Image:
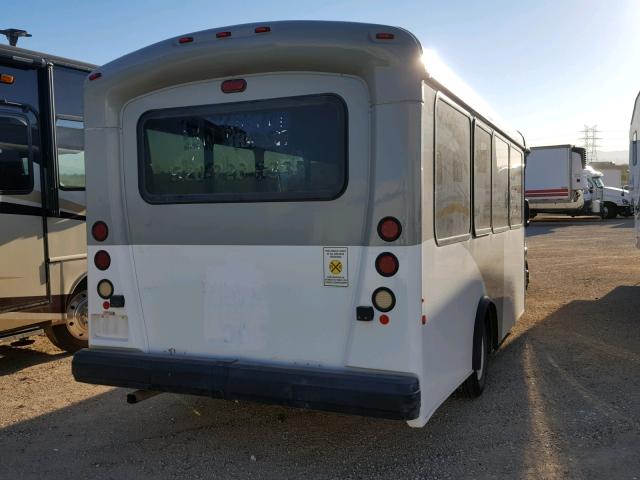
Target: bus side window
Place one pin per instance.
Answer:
(515, 187)
(68, 88)
(452, 202)
(15, 162)
(500, 201)
(482, 181)
(634, 149)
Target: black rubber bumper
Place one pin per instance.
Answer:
(375, 395)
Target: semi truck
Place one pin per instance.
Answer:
(559, 181)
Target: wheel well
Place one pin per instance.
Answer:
(80, 285)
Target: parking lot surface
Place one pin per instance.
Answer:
(562, 400)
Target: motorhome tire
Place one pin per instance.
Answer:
(74, 333)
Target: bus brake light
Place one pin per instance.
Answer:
(262, 29)
(387, 264)
(100, 231)
(235, 85)
(389, 229)
(102, 260)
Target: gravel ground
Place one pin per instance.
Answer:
(562, 401)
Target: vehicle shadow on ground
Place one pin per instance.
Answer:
(14, 359)
(553, 408)
(547, 225)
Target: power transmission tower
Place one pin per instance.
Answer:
(590, 140)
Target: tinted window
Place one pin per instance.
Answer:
(68, 90)
(70, 141)
(634, 149)
(482, 180)
(452, 172)
(500, 204)
(515, 187)
(15, 162)
(269, 150)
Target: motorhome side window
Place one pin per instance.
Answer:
(515, 187)
(452, 173)
(269, 150)
(482, 180)
(15, 161)
(500, 204)
(634, 148)
(68, 89)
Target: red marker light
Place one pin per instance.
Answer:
(384, 319)
(424, 319)
(102, 260)
(95, 76)
(185, 40)
(105, 305)
(223, 34)
(234, 86)
(100, 231)
(262, 29)
(385, 36)
(389, 229)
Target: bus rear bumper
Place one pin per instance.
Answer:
(389, 396)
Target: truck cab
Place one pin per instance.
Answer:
(615, 201)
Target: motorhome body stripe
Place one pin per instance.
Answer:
(36, 211)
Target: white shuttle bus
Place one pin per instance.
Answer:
(43, 250)
(298, 213)
(634, 166)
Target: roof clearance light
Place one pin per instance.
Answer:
(7, 79)
(389, 229)
(387, 264)
(95, 76)
(182, 40)
(102, 260)
(100, 231)
(223, 34)
(234, 86)
(385, 36)
(262, 29)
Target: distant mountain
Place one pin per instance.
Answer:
(619, 156)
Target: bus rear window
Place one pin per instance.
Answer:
(270, 150)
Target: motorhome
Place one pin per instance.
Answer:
(298, 213)
(42, 198)
(634, 166)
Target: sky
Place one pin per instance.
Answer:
(548, 67)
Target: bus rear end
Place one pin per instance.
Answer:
(252, 223)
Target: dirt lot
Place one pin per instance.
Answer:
(563, 399)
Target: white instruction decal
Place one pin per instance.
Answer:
(336, 266)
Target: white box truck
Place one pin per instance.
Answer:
(555, 182)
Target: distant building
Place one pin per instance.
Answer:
(614, 175)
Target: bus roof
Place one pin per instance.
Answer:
(22, 55)
(388, 58)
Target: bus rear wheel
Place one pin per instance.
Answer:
(74, 333)
(473, 386)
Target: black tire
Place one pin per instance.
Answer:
(61, 335)
(610, 210)
(473, 386)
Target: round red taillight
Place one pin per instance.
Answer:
(102, 260)
(389, 229)
(387, 264)
(100, 231)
